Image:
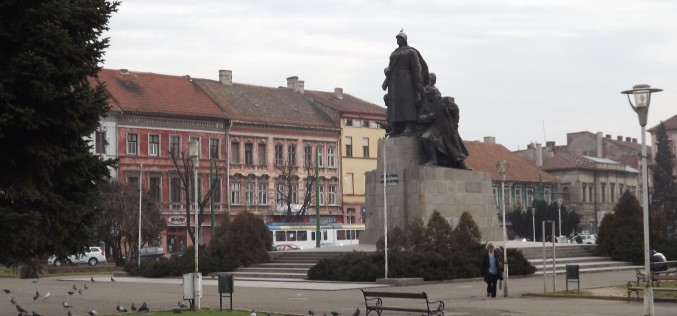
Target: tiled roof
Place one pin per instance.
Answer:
(264, 104)
(484, 156)
(156, 94)
(670, 123)
(572, 161)
(632, 145)
(348, 104)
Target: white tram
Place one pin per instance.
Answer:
(303, 234)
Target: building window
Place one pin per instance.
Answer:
(249, 154)
(612, 190)
(495, 190)
(620, 189)
(132, 144)
(154, 188)
(349, 122)
(365, 147)
(133, 180)
(153, 145)
(295, 193)
(100, 142)
(216, 191)
(174, 145)
(518, 195)
(262, 154)
(320, 160)
(263, 193)
(321, 189)
(331, 157)
(214, 148)
(279, 194)
(278, 154)
(307, 155)
(547, 194)
(332, 194)
(199, 146)
(349, 146)
(235, 193)
(603, 192)
(530, 195)
(175, 190)
(291, 155)
(591, 192)
(235, 152)
(249, 193)
(583, 192)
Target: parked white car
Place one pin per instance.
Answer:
(588, 239)
(92, 256)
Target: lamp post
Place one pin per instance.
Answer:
(194, 151)
(502, 167)
(642, 94)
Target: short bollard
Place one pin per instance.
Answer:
(226, 286)
(573, 276)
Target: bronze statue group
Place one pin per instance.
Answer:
(415, 107)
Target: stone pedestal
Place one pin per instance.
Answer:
(417, 191)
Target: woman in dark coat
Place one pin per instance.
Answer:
(492, 269)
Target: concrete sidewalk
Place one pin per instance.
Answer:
(461, 297)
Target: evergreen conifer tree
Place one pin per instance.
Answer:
(49, 51)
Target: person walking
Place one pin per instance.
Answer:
(492, 269)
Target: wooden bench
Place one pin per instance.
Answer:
(657, 276)
(373, 301)
(634, 286)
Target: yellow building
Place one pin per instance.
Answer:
(361, 128)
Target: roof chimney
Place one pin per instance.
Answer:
(634, 140)
(628, 139)
(550, 144)
(608, 136)
(600, 145)
(489, 140)
(539, 155)
(619, 137)
(294, 84)
(338, 93)
(226, 77)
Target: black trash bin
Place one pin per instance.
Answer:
(226, 286)
(573, 275)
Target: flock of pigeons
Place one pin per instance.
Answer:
(68, 307)
(119, 308)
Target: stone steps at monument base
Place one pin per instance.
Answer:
(561, 251)
(585, 264)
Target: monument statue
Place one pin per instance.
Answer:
(406, 77)
(415, 106)
(439, 138)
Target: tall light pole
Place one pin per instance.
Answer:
(642, 94)
(559, 214)
(194, 152)
(385, 207)
(502, 167)
(138, 254)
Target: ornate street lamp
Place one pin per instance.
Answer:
(194, 152)
(502, 167)
(642, 94)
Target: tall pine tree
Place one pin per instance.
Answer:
(48, 50)
(664, 193)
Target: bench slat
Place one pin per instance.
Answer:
(404, 309)
(396, 295)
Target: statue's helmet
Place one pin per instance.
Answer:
(402, 35)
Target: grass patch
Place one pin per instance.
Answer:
(657, 293)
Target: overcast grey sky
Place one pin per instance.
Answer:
(521, 70)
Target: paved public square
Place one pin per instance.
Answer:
(462, 297)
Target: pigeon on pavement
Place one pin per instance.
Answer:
(37, 294)
(13, 301)
(357, 312)
(92, 313)
(252, 313)
(335, 313)
(71, 292)
(66, 305)
(20, 309)
(86, 287)
(311, 313)
(182, 305)
(69, 313)
(92, 279)
(121, 309)
(7, 291)
(111, 279)
(133, 308)
(144, 308)
(47, 295)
